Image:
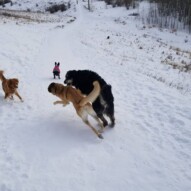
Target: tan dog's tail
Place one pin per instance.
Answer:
(91, 97)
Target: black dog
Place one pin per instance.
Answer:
(83, 80)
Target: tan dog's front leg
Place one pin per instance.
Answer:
(61, 102)
(57, 102)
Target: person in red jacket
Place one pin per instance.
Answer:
(56, 70)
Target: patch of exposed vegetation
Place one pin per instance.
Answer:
(184, 65)
(29, 16)
(3, 2)
(55, 8)
(170, 84)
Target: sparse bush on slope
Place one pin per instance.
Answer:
(3, 2)
(172, 14)
(54, 8)
(126, 3)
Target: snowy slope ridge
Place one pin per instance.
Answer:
(47, 147)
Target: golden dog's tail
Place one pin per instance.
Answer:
(91, 97)
(2, 77)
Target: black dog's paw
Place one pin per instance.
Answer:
(112, 125)
(105, 123)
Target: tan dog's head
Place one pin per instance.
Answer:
(56, 88)
(52, 88)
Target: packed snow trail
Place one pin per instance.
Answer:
(47, 147)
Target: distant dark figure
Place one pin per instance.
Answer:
(108, 37)
(56, 70)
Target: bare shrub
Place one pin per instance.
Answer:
(119, 3)
(3, 2)
(171, 14)
(54, 8)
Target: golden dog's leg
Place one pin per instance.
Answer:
(6, 96)
(17, 94)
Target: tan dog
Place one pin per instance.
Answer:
(81, 104)
(9, 86)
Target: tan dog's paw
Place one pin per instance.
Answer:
(100, 131)
(100, 136)
(56, 102)
(65, 104)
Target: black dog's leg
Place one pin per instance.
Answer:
(99, 109)
(110, 113)
(105, 123)
(112, 119)
(108, 98)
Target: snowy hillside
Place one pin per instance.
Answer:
(48, 147)
(34, 5)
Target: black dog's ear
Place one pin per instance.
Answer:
(55, 63)
(58, 64)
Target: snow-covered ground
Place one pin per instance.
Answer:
(47, 147)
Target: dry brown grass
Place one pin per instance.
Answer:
(29, 16)
(184, 65)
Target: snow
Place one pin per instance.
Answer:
(47, 147)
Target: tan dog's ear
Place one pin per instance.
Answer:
(52, 88)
